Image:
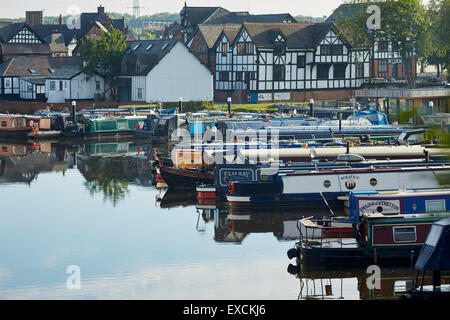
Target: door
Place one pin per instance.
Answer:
(395, 74)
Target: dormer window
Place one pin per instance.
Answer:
(164, 46)
(149, 46)
(32, 71)
(51, 70)
(136, 46)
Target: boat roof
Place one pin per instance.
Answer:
(406, 192)
(435, 252)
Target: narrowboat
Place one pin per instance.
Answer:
(379, 239)
(292, 187)
(434, 256)
(14, 126)
(104, 127)
(398, 202)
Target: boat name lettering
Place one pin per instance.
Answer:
(379, 203)
(350, 177)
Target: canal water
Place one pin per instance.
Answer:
(87, 222)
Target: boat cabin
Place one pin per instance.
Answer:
(12, 125)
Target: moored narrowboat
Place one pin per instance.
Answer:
(14, 126)
(379, 238)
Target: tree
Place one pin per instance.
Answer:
(439, 12)
(404, 24)
(104, 56)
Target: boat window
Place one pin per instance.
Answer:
(435, 205)
(4, 149)
(404, 234)
(433, 235)
(4, 124)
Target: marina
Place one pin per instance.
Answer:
(218, 154)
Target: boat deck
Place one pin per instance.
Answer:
(333, 243)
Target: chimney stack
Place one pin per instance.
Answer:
(60, 19)
(101, 9)
(33, 18)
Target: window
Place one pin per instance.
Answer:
(323, 71)
(244, 48)
(337, 49)
(404, 234)
(325, 49)
(248, 48)
(223, 76)
(52, 85)
(359, 70)
(331, 49)
(60, 86)
(32, 71)
(7, 83)
(279, 48)
(239, 76)
(278, 73)
(382, 65)
(250, 75)
(97, 85)
(339, 70)
(301, 61)
(139, 93)
(382, 46)
(224, 49)
(4, 124)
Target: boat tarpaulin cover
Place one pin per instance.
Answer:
(435, 253)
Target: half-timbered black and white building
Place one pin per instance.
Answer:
(275, 61)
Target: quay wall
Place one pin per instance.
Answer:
(31, 107)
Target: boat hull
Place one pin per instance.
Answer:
(184, 178)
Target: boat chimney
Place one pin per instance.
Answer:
(74, 111)
(427, 155)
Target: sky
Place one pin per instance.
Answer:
(315, 8)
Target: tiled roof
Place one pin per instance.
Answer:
(298, 35)
(21, 66)
(241, 17)
(212, 32)
(145, 55)
(25, 48)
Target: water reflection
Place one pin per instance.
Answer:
(22, 163)
(167, 246)
(334, 284)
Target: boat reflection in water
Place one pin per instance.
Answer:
(347, 284)
(234, 226)
(172, 198)
(22, 162)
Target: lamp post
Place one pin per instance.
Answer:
(74, 111)
(311, 107)
(229, 106)
(180, 105)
